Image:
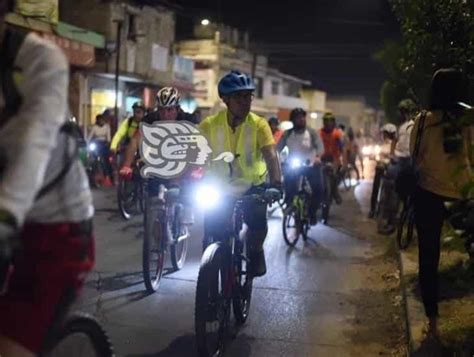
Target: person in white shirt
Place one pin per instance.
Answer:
(305, 145)
(45, 200)
(399, 160)
(100, 135)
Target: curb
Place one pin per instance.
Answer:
(414, 311)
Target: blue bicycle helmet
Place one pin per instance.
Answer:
(234, 81)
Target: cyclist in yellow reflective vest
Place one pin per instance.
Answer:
(249, 138)
(127, 129)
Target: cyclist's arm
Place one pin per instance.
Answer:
(317, 142)
(108, 133)
(267, 146)
(131, 150)
(273, 164)
(29, 137)
(119, 135)
(91, 134)
(282, 143)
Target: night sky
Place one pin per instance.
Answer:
(330, 42)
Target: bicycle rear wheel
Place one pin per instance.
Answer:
(291, 225)
(81, 335)
(212, 307)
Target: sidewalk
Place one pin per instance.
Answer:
(456, 323)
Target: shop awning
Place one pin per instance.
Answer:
(78, 44)
(80, 35)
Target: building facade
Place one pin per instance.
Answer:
(141, 40)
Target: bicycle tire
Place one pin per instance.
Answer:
(180, 240)
(243, 295)
(290, 212)
(211, 304)
(404, 238)
(82, 324)
(151, 245)
(126, 214)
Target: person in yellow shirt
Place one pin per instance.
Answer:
(248, 136)
(128, 127)
(444, 160)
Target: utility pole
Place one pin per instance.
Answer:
(118, 45)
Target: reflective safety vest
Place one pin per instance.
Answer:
(248, 166)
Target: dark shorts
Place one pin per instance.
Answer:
(53, 261)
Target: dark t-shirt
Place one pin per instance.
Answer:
(153, 116)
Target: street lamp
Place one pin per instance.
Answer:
(205, 22)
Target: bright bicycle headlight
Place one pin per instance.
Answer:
(295, 163)
(92, 146)
(207, 196)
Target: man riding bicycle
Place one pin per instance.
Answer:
(45, 201)
(249, 138)
(127, 129)
(167, 109)
(333, 140)
(303, 144)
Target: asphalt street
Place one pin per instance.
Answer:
(306, 305)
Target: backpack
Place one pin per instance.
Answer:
(13, 40)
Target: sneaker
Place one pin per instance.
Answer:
(258, 266)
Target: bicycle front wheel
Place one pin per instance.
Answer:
(243, 293)
(153, 254)
(212, 307)
(125, 198)
(179, 244)
(81, 335)
(291, 225)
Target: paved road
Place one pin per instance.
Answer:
(310, 303)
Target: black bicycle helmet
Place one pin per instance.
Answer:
(297, 112)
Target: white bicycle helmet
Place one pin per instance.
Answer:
(167, 97)
(389, 128)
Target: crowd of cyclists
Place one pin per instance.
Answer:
(46, 211)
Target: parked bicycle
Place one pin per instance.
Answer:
(163, 231)
(296, 221)
(223, 281)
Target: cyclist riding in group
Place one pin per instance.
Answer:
(333, 140)
(45, 200)
(128, 127)
(99, 139)
(304, 144)
(249, 138)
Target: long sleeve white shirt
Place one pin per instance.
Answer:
(35, 152)
(101, 133)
